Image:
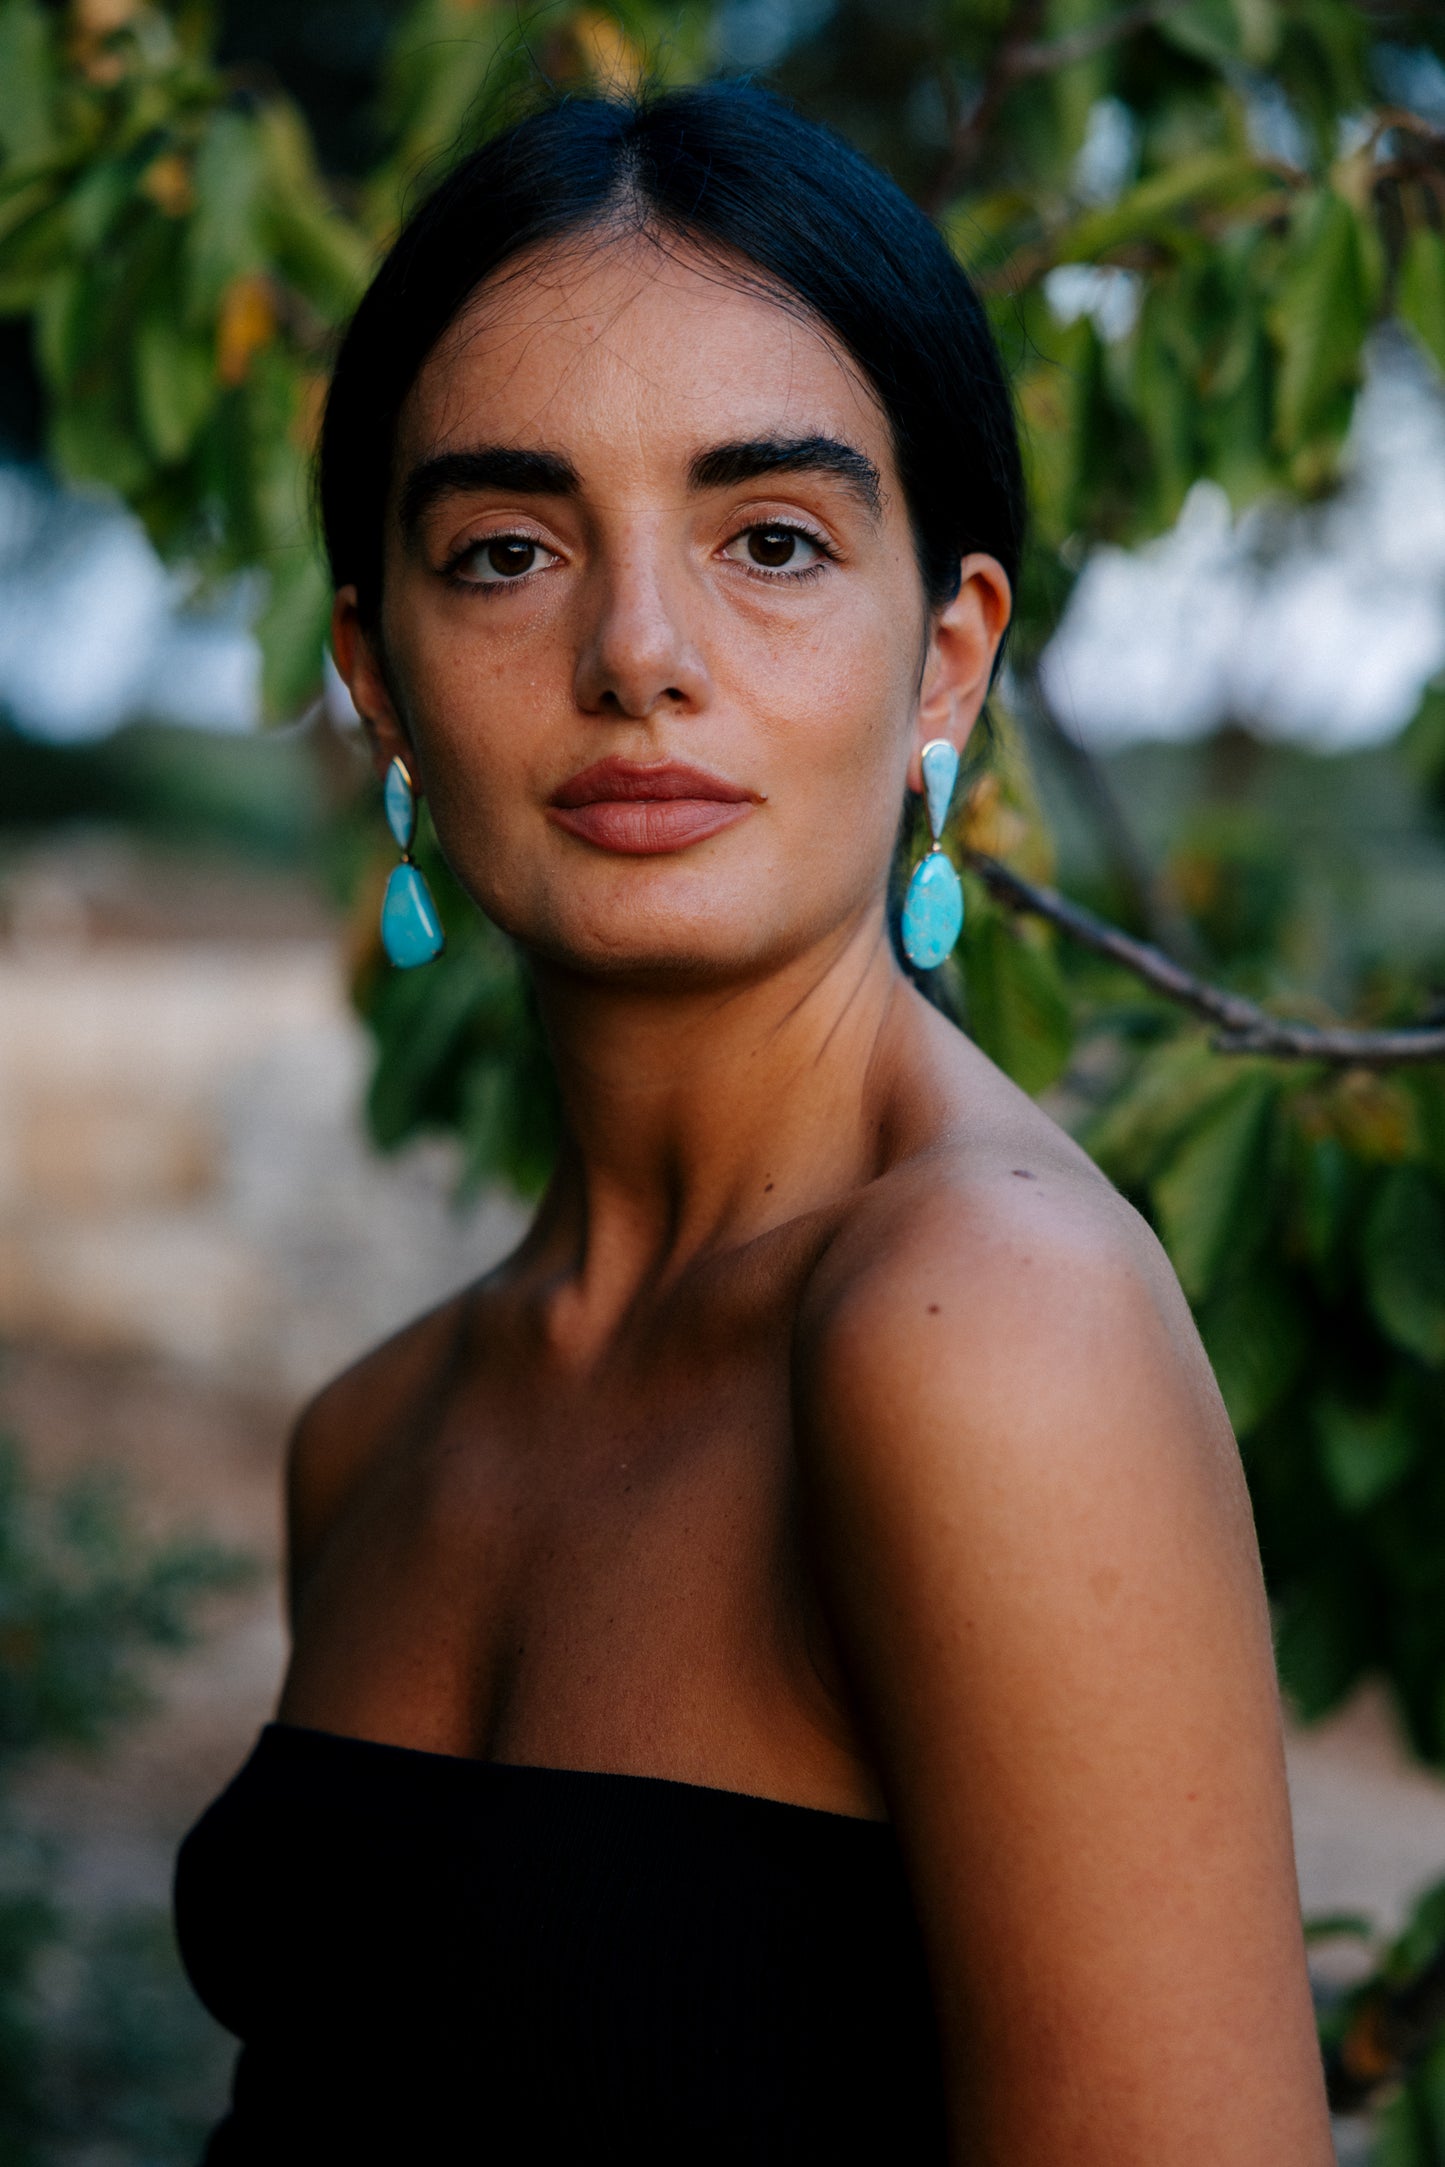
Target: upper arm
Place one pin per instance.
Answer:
(1038, 1552)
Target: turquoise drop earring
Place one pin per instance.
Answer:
(933, 906)
(411, 931)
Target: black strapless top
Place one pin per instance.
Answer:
(432, 1961)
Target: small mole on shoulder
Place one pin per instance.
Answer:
(933, 1309)
(1021, 1173)
(766, 1186)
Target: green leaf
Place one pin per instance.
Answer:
(90, 442)
(1427, 2085)
(1018, 1011)
(1329, 1183)
(1170, 1091)
(1150, 211)
(1215, 1198)
(1256, 1336)
(1320, 321)
(1339, 1926)
(422, 1022)
(1324, 1642)
(60, 324)
(223, 241)
(1404, 1258)
(176, 384)
(292, 630)
(102, 191)
(319, 251)
(1364, 1454)
(1224, 32)
(1420, 294)
(1426, 1087)
(28, 82)
(1399, 2140)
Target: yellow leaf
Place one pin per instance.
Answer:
(1374, 1117)
(167, 181)
(609, 55)
(988, 824)
(310, 406)
(98, 18)
(247, 322)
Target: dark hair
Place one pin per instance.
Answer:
(734, 169)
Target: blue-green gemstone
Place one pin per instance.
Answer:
(411, 931)
(940, 773)
(400, 802)
(932, 912)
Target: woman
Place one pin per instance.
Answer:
(780, 1666)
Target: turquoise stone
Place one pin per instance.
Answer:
(940, 773)
(400, 801)
(932, 912)
(411, 931)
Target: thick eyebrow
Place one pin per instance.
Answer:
(724, 466)
(486, 466)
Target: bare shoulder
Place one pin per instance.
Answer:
(342, 1432)
(999, 1281)
(995, 1345)
(1035, 1546)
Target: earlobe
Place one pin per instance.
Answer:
(354, 646)
(963, 643)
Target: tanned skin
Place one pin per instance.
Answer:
(837, 1434)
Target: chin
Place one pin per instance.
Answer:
(654, 947)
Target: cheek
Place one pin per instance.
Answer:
(837, 706)
(474, 700)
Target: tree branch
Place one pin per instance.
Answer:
(1019, 57)
(973, 128)
(1055, 53)
(1245, 1027)
(1147, 897)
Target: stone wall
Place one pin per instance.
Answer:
(182, 1169)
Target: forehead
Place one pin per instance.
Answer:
(632, 345)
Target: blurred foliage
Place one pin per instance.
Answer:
(83, 1593)
(1305, 1214)
(1383, 2040)
(1189, 220)
(256, 799)
(85, 1598)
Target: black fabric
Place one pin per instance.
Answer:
(430, 1959)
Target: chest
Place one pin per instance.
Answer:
(575, 1574)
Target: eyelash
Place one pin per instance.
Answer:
(826, 553)
(773, 574)
(451, 571)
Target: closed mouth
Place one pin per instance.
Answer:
(621, 806)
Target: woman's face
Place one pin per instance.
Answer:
(653, 639)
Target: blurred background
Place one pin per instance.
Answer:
(235, 1149)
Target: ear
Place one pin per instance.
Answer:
(358, 658)
(963, 640)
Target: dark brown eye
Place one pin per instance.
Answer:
(510, 555)
(502, 558)
(772, 546)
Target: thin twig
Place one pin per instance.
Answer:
(1019, 57)
(1245, 1027)
(1148, 898)
(974, 126)
(1054, 53)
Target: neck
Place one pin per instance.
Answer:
(695, 1120)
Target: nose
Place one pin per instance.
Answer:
(637, 653)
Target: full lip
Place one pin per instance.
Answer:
(643, 811)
